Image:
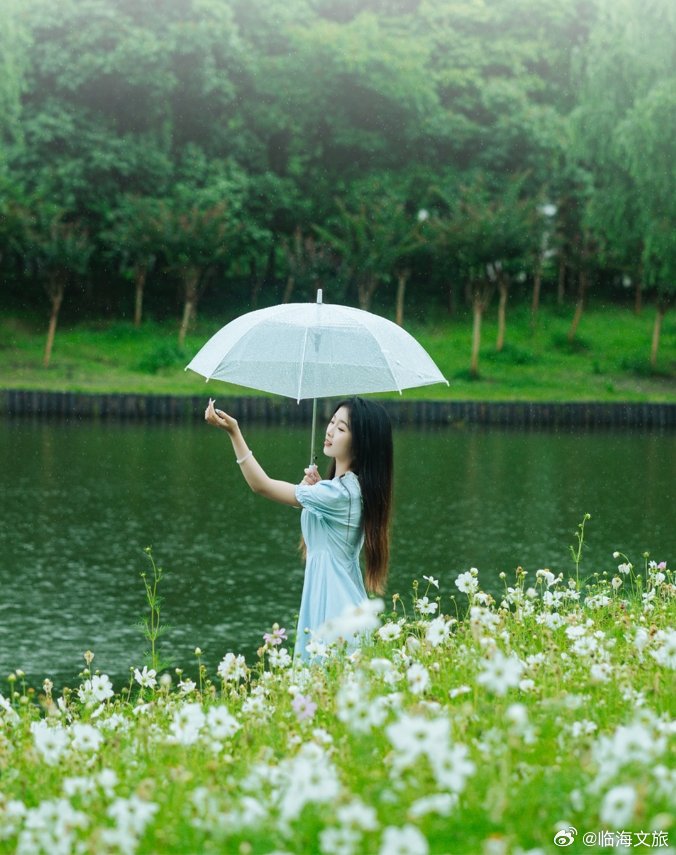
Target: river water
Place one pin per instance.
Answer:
(80, 502)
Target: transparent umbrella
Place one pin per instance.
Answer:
(315, 350)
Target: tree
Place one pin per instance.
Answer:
(625, 127)
(492, 234)
(374, 235)
(202, 226)
(134, 236)
(59, 250)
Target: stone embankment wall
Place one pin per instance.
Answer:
(76, 405)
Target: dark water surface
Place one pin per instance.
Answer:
(80, 502)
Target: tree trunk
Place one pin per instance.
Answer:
(366, 288)
(138, 297)
(561, 285)
(477, 312)
(503, 289)
(537, 286)
(402, 279)
(579, 305)
(638, 297)
(191, 281)
(657, 329)
(288, 290)
(56, 296)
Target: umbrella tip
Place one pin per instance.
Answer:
(319, 296)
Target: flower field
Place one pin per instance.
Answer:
(536, 721)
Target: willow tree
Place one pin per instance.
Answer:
(625, 126)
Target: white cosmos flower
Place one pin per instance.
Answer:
(221, 723)
(438, 631)
(386, 670)
(451, 766)
(96, 690)
(389, 631)
(317, 648)
(665, 653)
(353, 621)
(617, 808)
(7, 712)
(107, 781)
(403, 841)
(146, 678)
(551, 620)
(232, 668)
(50, 740)
(187, 687)
(500, 673)
(576, 631)
(432, 581)
(547, 577)
(585, 646)
(339, 841)
(356, 708)
(425, 607)
(309, 777)
(85, 737)
(13, 813)
(358, 815)
(467, 582)
(78, 786)
(50, 827)
(418, 678)
(459, 690)
(187, 722)
(439, 803)
(600, 672)
(413, 736)
(132, 814)
(279, 657)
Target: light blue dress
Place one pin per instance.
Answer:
(331, 525)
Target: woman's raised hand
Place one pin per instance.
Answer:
(311, 475)
(218, 418)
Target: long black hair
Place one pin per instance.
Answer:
(372, 463)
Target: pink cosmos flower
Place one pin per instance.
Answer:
(304, 707)
(275, 637)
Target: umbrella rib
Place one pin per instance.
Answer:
(302, 366)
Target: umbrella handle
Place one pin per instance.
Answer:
(313, 458)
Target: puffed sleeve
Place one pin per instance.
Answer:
(325, 498)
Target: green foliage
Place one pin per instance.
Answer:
(279, 116)
(512, 354)
(167, 354)
(566, 345)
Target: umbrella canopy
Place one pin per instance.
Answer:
(316, 350)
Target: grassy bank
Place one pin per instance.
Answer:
(608, 361)
(464, 725)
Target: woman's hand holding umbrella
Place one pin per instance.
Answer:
(312, 475)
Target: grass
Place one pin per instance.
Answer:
(464, 725)
(608, 361)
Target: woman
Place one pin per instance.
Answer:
(348, 510)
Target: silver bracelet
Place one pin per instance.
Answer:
(246, 457)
